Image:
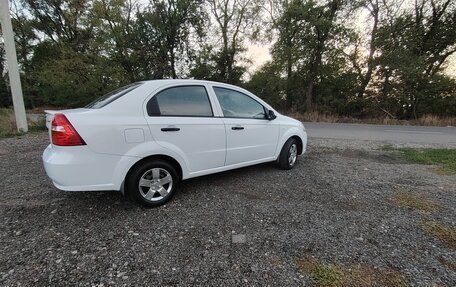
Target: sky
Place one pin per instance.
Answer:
(451, 67)
(258, 54)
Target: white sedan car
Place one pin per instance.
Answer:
(144, 138)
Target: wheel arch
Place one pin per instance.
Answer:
(162, 157)
(295, 133)
(299, 140)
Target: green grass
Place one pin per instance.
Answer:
(38, 126)
(445, 158)
(322, 274)
(445, 233)
(388, 147)
(340, 275)
(418, 202)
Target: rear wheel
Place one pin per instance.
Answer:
(289, 154)
(152, 183)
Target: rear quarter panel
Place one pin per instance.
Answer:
(105, 130)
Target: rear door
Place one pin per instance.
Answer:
(250, 136)
(180, 118)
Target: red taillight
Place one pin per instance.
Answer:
(63, 133)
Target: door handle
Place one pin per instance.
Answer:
(170, 129)
(237, 128)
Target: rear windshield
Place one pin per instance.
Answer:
(112, 96)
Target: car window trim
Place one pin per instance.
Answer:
(220, 87)
(181, 116)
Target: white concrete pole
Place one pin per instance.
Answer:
(13, 68)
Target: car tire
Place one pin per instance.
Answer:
(152, 183)
(289, 154)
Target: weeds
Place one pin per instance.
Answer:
(450, 264)
(338, 275)
(426, 120)
(8, 124)
(446, 234)
(418, 202)
(444, 158)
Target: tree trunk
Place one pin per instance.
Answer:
(364, 82)
(230, 64)
(313, 72)
(288, 91)
(322, 35)
(372, 47)
(385, 85)
(172, 61)
(309, 95)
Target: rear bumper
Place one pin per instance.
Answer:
(80, 169)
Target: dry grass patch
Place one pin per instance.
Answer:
(425, 120)
(441, 171)
(8, 124)
(418, 202)
(446, 234)
(448, 263)
(338, 275)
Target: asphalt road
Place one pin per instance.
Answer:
(388, 133)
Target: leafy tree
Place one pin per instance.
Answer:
(71, 51)
(205, 65)
(414, 46)
(62, 21)
(113, 22)
(373, 6)
(5, 97)
(233, 21)
(25, 38)
(170, 24)
(310, 35)
(268, 84)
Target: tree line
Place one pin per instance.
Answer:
(359, 58)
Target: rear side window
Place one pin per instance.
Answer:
(112, 96)
(182, 101)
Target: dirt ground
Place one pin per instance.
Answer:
(348, 214)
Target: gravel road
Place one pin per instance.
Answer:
(245, 227)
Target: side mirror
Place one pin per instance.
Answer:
(271, 115)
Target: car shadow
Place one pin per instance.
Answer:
(92, 199)
(188, 189)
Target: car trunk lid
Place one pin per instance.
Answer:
(51, 113)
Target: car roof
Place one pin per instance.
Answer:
(186, 81)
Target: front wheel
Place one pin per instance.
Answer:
(152, 183)
(289, 154)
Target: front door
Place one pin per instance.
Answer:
(250, 136)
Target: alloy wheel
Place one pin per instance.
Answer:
(292, 154)
(155, 184)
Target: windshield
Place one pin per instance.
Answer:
(112, 96)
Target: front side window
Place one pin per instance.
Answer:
(238, 105)
(190, 101)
